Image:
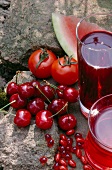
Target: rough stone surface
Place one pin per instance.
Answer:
(28, 25)
(21, 148)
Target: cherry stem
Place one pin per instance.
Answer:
(59, 110)
(43, 93)
(17, 72)
(7, 104)
(52, 85)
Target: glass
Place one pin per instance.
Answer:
(98, 143)
(94, 52)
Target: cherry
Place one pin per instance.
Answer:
(26, 90)
(67, 122)
(12, 88)
(49, 93)
(36, 84)
(70, 94)
(58, 106)
(44, 120)
(19, 102)
(35, 105)
(43, 160)
(22, 118)
(60, 90)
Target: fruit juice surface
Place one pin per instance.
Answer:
(100, 156)
(95, 67)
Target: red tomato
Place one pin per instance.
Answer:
(65, 70)
(40, 62)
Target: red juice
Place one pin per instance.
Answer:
(95, 67)
(99, 151)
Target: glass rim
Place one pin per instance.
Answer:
(86, 17)
(103, 144)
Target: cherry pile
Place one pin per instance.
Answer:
(44, 102)
(30, 99)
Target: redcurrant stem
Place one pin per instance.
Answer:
(60, 110)
(43, 94)
(52, 85)
(7, 104)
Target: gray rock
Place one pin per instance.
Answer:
(28, 24)
(21, 148)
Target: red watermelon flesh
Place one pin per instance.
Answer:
(65, 30)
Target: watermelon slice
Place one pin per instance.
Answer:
(65, 30)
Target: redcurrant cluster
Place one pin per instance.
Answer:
(30, 99)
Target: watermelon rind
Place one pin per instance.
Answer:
(65, 37)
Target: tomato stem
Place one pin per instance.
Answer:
(43, 56)
(67, 61)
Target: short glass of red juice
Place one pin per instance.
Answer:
(94, 52)
(98, 143)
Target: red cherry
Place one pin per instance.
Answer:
(26, 90)
(19, 102)
(36, 84)
(70, 94)
(49, 92)
(35, 105)
(44, 119)
(60, 90)
(12, 88)
(67, 122)
(22, 118)
(43, 160)
(57, 105)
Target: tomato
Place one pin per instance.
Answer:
(40, 62)
(65, 70)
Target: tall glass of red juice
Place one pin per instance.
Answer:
(98, 143)
(94, 50)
